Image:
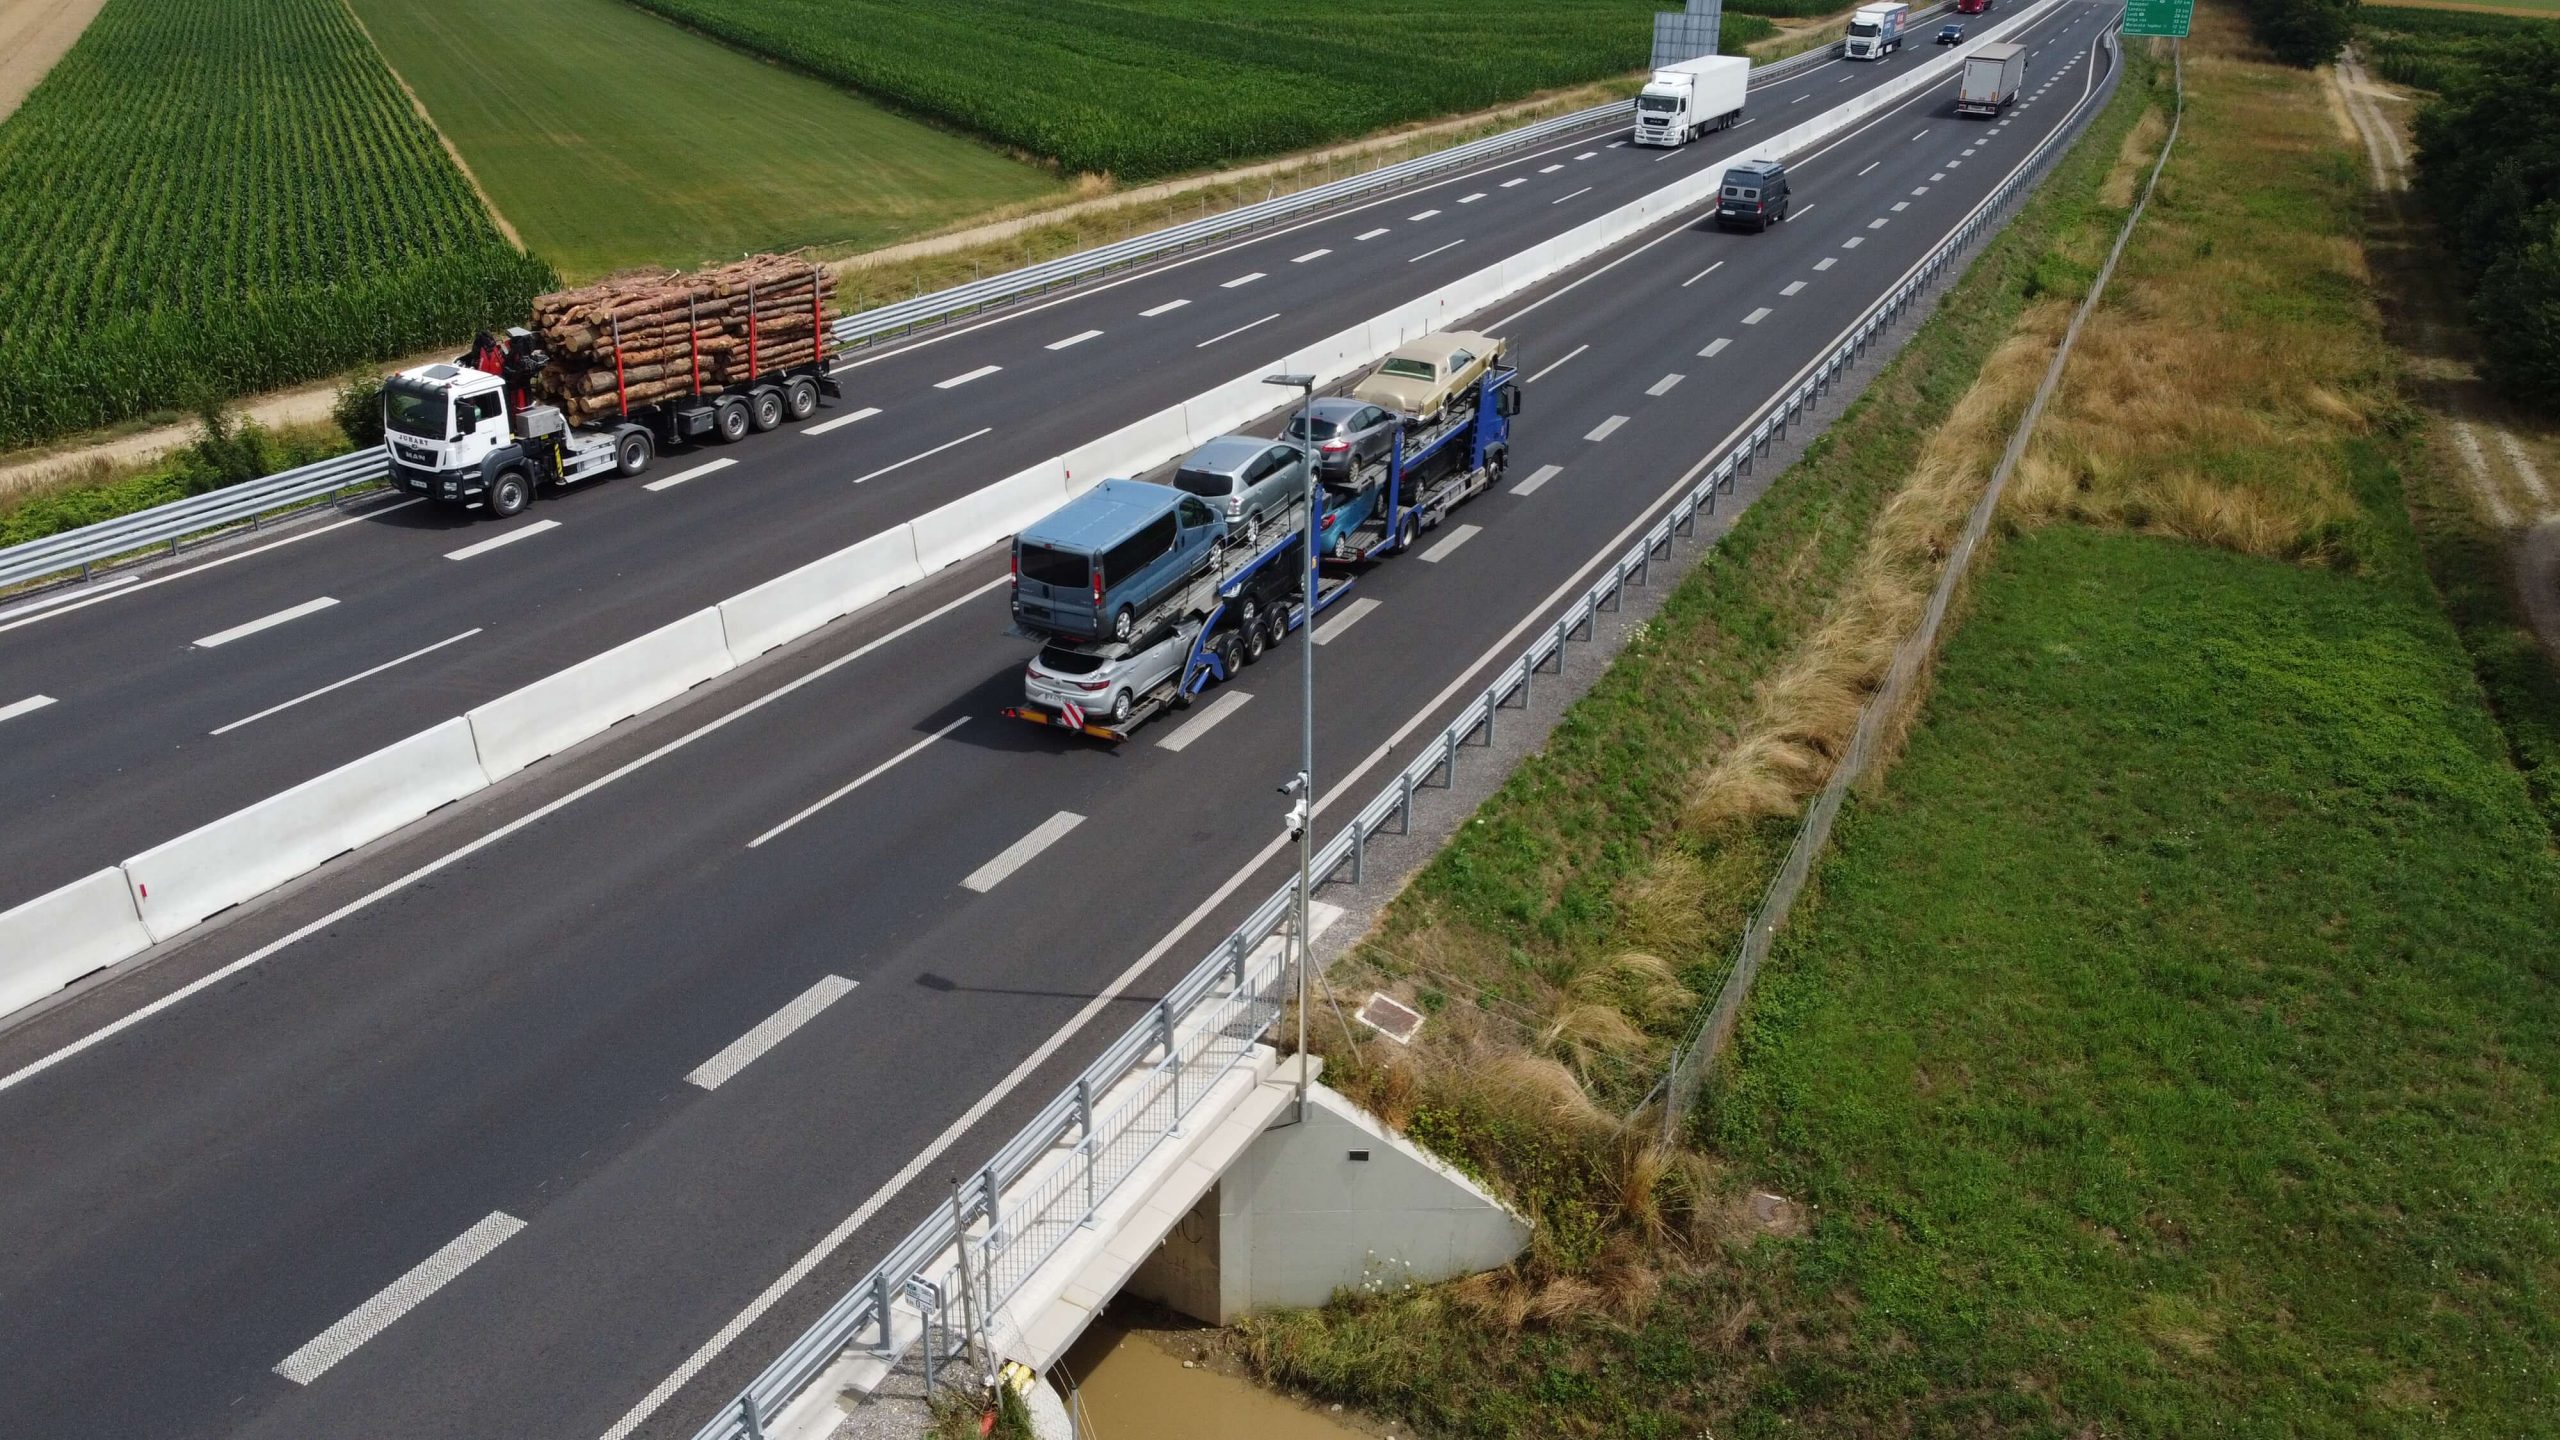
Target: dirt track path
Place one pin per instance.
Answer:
(33, 34)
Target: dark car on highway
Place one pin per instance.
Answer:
(1950, 34)
(1346, 434)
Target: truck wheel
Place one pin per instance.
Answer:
(1123, 623)
(766, 410)
(1408, 532)
(801, 399)
(1249, 630)
(510, 493)
(633, 453)
(731, 421)
(1275, 626)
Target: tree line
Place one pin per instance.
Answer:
(2489, 172)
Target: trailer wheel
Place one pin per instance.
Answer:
(510, 493)
(1120, 707)
(1249, 630)
(766, 409)
(633, 453)
(1123, 623)
(1277, 626)
(801, 398)
(731, 421)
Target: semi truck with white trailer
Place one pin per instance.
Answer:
(1876, 31)
(1684, 101)
(1993, 75)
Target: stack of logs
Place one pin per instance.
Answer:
(671, 328)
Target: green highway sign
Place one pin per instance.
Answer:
(2159, 17)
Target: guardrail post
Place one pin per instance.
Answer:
(880, 1307)
(1172, 1061)
(995, 1216)
(1404, 806)
(1236, 954)
(749, 1419)
(1449, 758)
(1359, 859)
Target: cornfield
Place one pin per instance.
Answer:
(209, 197)
(1138, 88)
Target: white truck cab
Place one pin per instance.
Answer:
(452, 435)
(1683, 101)
(1876, 31)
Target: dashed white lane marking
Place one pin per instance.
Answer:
(1245, 279)
(307, 607)
(511, 537)
(1662, 387)
(1701, 275)
(397, 1298)
(1587, 154)
(1343, 619)
(1425, 215)
(1021, 852)
(1919, 189)
(1955, 164)
(1372, 234)
(925, 455)
(1826, 262)
(1471, 199)
(865, 778)
(332, 685)
(1713, 346)
(1879, 222)
(1799, 99)
(1941, 175)
(1924, 132)
(28, 706)
(1449, 544)
(1549, 169)
(1871, 165)
(1537, 477)
(1606, 428)
(841, 421)
(1853, 242)
(1756, 316)
(1793, 287)
(1967, 152)
(1311, 255)
(1901, 205)
(772, 1030)
(1436, 249)
(1227, 703)
(1214, 339)
(1552, 365)
(1617, 144)
(956, 381)
(1166, 308)
(1793, 213)
(1522, 180)
(1082, 336)
(670, 482)
(1585, 190)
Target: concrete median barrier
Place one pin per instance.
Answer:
(1128, 450)
(55, 939)
(950, 533)
(785, 608)
(559, 710)
(178, 883)
(1219, 411)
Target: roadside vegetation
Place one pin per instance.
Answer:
(2302, 32)
(618, 139)
(202, 199)
(2436, 50)
(1135, 89)
(2167, 1046)
(2489, 172)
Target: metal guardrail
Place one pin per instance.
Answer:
(203, 516)
(1207, 1023)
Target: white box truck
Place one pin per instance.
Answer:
(1684, 101)
(1875, 31)
(1992, 76)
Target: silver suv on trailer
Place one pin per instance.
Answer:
(1245, 478)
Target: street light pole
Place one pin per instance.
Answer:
(1303, 813)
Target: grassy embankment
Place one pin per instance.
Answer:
(2167, 1047)
(618, 139)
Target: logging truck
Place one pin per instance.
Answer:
(471, 435)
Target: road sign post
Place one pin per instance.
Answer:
(2172, 18)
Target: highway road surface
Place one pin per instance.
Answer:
(546, 1117)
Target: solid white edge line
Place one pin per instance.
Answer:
(470, 848)
(131, 585)
(84, 590)
(397, 1298)
(265, 622)
(841, 421)
(496, 542)
(336, 684)
(1227, 703)
(925, 455)
(1343, 619)
(772, 1030)
(960, 1126)
(697, 472)
(1021, 852)
(28, 706)
(865, 778)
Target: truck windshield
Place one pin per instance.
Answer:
(1863, 28)
(1066, 569)
(1663, 104)
(414, 410)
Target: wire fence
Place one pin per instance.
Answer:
(1686, 1073)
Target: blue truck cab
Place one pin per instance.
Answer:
(1094, 568)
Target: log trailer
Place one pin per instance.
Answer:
(459, 434)
(1254, 593)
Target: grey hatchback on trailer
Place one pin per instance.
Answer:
(1245, 478)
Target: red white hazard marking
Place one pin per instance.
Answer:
(1073, 714)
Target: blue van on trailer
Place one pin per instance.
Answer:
(1098, 566)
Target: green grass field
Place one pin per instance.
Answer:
(608, 137)
(207, 198)
(1140, 88)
